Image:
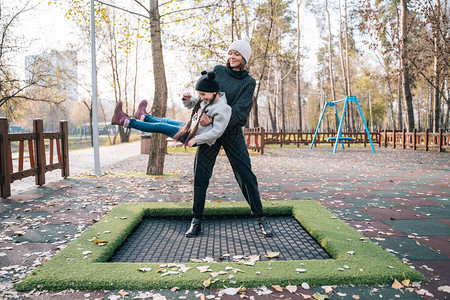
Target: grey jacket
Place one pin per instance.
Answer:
(219, 111)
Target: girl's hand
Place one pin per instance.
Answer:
(191, 142)
(187, 96)
(205, 120)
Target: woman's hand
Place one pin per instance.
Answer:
(187, 96)
(191, 142)
(205, 120)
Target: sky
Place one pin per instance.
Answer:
(46, 28)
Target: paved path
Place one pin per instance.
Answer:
(398, 198)
(82, 162)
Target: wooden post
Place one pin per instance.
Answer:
(5, 179)
(404, 138)
(38, 128)
(440, 140)
(63, 125)
(21, 154)
(379, 137)
(281, 138)
(426, 139)
(31, 154)
(263, 136)
(414, 139)
(393, 137)
(385, 138)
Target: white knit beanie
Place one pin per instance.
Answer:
(243, 47)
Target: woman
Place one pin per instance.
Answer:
(238, 87)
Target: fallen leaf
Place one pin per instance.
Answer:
(305, 286)
(204, 269)
(397, 285)
(406, 282)
(341, 294)
(99, 242)
(305, 296)
(270, 254)
(174, 289)
(444, 288)
(319, 296)
(277, 288)
(291, 288)
(300, 270)
(229, 291)
(207, 282)
(145, 269)
(170, 273)
(328, 289)
(355, 297)
(263, 291)
(123, 293)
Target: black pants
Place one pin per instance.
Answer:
(233, 143)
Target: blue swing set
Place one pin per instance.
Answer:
(339, 137)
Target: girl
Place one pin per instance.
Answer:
(211, 103)
(239, 86)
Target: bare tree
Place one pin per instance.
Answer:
(404, 62)
(297, 70)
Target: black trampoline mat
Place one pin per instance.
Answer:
(163, 240)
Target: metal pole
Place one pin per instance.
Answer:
(94, 94)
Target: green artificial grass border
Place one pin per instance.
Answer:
(83, 264)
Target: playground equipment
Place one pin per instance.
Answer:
(339, 137)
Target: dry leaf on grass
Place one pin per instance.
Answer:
(144, 269)
(207, 282)
(99, 242)
(397, 285)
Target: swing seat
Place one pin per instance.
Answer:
(342, 138)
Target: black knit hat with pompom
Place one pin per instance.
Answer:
(207, 83)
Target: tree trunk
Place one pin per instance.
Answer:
(298, 74)
(283, 110)
(261, 75)
(399, 102)
(341, 51)
(330, 58)
(436, 69)
(404, 64)
(158, 146)
(399, 87)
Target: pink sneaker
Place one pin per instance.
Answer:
(119, 117)
(141, 112)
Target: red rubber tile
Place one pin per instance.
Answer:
(413, 201)
(394, 213)
(439, 243)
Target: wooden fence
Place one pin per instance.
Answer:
(35, 142)
(414, 140)
(255, 139)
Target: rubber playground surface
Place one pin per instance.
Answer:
(398, 199)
